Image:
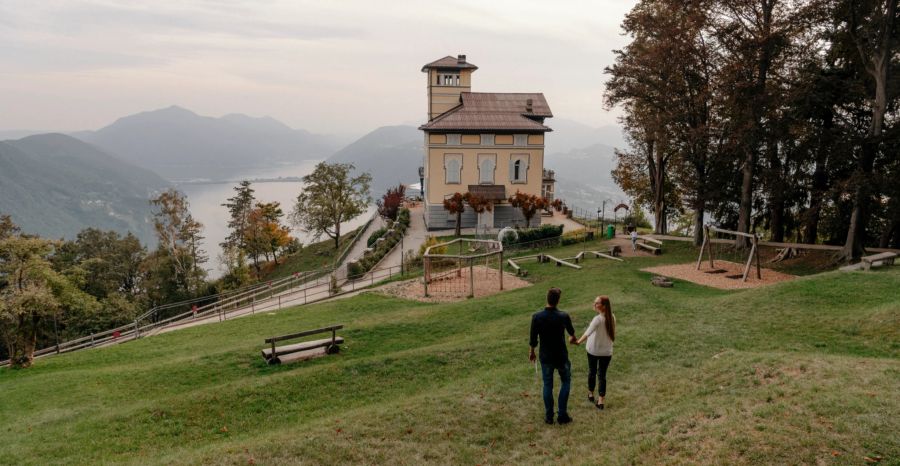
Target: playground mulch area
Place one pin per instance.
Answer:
(726, 276)
(453, 289)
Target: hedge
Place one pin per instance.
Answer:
(389, 239)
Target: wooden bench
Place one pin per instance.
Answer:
(615, 251)
(642, 243)
(886, 258)
(272, 354)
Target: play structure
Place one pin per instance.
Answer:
(462, 266)
(572, 262)
(729, 247)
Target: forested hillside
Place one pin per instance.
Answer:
(55, 186)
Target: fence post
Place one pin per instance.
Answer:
(279, 303)
(92, 340)
(471, 278)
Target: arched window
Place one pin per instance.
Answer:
(517, 170)
(453, 168)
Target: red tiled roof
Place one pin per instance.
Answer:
(450, 62)
(494, 112)
(507, 102)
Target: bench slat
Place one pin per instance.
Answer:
(655, 251)
(297, 347)
(304, 333)
(878, 257)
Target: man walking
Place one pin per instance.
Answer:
(549, 327)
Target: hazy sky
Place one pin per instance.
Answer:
(336, 66)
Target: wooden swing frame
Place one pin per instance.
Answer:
(707, 246)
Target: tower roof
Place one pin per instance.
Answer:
(450, 63)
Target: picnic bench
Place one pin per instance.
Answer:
(615, 250)
(885, 258)
(642, 243)
(273, 353)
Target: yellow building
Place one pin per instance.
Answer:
(481, 142)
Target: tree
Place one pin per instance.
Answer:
(239, 207)
(456, 205)
(390, 202)
(529, 204)
(31, 294)
(179, 236)
(872, 26)
(7, 227)
(264, 232)
(330, 197)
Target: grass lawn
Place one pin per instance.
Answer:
(313, 256)
(803, 372)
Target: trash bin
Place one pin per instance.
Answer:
(610, 231)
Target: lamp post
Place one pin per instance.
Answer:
(422, 181)
(599, 228)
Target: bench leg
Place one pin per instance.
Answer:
(274, 361)
(333, 349)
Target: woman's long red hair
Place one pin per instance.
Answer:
(608, 317)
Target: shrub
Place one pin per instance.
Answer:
(431, 241)
(541, 232)
(375, 235)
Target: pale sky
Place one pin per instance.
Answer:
(338, 66)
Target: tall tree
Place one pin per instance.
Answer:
(239, 207)
(7, 227)
(872, 26)
(179, 236)
(331, 197)
(390, 202)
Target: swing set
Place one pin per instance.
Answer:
(729, 246)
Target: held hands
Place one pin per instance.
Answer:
(573, 340)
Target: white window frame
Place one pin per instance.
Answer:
(492, 158)
(454, 139)
(524, 164)
(457, 158)
(520, 140)
(487, 139)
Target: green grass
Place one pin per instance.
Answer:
(313, 256)
(789, 374)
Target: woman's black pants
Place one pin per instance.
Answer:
(597, 366)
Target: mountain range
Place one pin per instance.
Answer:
(55, 185)
(181, 145)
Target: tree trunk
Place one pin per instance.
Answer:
(885, 240)
(337, 236)
(24, 342)
(776, 193)
(854, 245)
(819, 181)
(698, 224)
(458, 224)
(746, 199)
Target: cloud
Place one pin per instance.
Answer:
(338, 66)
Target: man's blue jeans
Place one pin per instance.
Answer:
(565, 376)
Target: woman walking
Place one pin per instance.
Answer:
(600, 334)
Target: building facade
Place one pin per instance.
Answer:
(487, 143)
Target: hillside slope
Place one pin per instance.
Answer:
(802, 372)
(182, 145)
(391, 154)
(55, 185)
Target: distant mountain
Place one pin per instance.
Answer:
(391, 154)
(568, 135)
(55, 185)
(181, 145)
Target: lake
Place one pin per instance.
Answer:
(206, 201)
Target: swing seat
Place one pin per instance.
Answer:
(715, 271)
